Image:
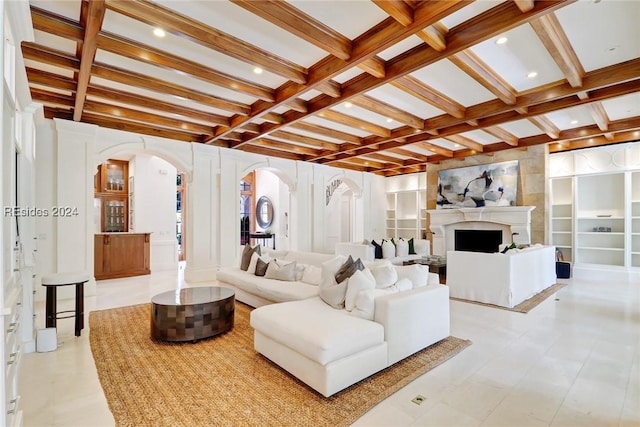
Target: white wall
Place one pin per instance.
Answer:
(154, 194)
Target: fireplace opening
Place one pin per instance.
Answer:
(478, 240)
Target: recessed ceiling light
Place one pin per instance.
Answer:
(348, 105)
(159, 32)
(389, 120)
(502, 40)
(574, 122)
(456, 145)
(257, 70)
(532, 74)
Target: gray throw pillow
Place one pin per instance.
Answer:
(348, 270)
(343, 268)
(280, 271)
(261, 267)
(247, 252)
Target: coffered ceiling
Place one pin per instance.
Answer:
(384, 86)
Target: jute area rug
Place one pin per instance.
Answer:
(526, 305)
(223, 380)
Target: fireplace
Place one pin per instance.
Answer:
(478, 240)
(513, 224)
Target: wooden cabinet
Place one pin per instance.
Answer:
(121, 255)
(111, 193)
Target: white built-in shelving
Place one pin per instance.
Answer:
(595, 208)
(635, 219)
(562, 216)
(406, 214)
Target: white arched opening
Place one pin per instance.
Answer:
(276, 186)
(153, 198)
(343, 212)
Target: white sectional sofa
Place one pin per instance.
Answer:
(327, 348)
(501, 279)
(330, 349)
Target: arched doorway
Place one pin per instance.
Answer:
(157, 186)
(264, 208)
(341, 212)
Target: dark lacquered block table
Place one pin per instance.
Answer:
(191, 314)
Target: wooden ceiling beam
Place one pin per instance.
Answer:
(115, 95)
(354, 122)
(434, 148)
(408, 153)
(546, 125)
(599, 115)
(132, 78)
(375, 40)
(388, 111)
(435, 36)
(296, 22)
(386, 159)
(550, 32)
(95, 16)
(285, 146)
(471, 64)
(50, 80)
(600, 84)
(330, 88)
(374, 66)
(502, 134)
(299, 105)
(524, 5)
(141, 128)
(284, 154)
(415, 87)
(302, 139)
(61, 26)
(328, 132)
(397, 9)
(156, 15)
(466, 142)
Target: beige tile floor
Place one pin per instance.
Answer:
(572, 361)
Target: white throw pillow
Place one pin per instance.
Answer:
(385, 274)
(402, 247)
(403, 284)
(332, 292)
(422, 247)
(312, 275)
(416, 273)
(388, 249)
(366, 302)
(361, 280)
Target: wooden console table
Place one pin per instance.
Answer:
(121, 255)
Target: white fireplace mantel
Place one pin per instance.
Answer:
(514, 220)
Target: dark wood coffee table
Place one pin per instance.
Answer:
(192, 314)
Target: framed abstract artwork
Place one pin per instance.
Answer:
(493, 184)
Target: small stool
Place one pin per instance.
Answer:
(51, 282)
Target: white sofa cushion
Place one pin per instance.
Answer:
(315, 330)
(417, 274)
(279, 291)
(388, 249)
(312, 274)
(361, 280)
(402, 247)
(384, 273)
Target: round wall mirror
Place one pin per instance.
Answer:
(264, 212)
